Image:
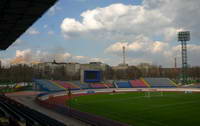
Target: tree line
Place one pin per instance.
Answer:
(26, 73)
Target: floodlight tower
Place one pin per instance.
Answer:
(183, 37)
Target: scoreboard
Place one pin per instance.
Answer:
(92, 76)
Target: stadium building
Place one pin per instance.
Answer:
(91, 100)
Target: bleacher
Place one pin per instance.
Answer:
(20, 115)
(101, 85)
(138, 84)
(123, 84)
(110, 83)
(57, 85)
(46, 85)
(160, 82)
(66, 84)
(196, 86)
(97, 85)
(191, 86)
(81, 85)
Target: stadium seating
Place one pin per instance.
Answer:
(196, 86)
(98, 85)
(192, 86)
(123, 84)
(110, 83)
(57, 85)
(81, 85)
(20, 113)
(46, 85)
(101, 85)
(66, 85)
(138, 84)
(160, 82)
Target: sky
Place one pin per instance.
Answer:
(96, 30)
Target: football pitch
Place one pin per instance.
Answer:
(144, 109)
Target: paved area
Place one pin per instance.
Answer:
(29, 101)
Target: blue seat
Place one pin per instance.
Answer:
(45, 85)
(123, 84)
(160, 82)
(82, 85)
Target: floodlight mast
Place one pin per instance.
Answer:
(183, 37)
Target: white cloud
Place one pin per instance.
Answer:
(22, 56)
(136, 61)
(183, 13)
(158, 47)
(28, 56)
(143, 49)
(116, 47)
(160, 18)
(170, 33)
(5, 62)
(23, 53)
(141, 44)
(80, 57)
(86, 59)
(149, 31)
(17, 43)
(53, 10)
(32, 31)
(96, 60)
(116, 20)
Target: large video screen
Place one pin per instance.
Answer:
(92, 76)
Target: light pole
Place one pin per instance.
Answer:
(183, 37)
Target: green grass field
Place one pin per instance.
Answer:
(171, 109)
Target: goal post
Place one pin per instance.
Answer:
(149, 94)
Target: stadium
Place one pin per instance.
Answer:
(91, 94)
(133, 102)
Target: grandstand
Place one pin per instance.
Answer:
(97, 85)
(111, 83)
(16, 114)
(57, 85)
(197, 85)
(160, 82)
(123, 84)
(66, 84)
(82, 85)
(138, 84)
(46, 85)
(101, 85)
